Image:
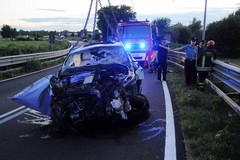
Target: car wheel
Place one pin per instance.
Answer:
(140, 109)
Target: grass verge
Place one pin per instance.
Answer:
(31, 66)
(211, 129)
(9, 48)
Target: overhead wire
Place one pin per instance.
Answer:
(113, 33)
(94, 23)
(84, 29)
(105, 17)
(115, 19)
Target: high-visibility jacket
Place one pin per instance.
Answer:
(205, 58)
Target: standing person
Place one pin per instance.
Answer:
(204, 63)
(190, 61)
(201, 45)
(149, 60)
(162, 54)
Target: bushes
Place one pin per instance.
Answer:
(226, 35)
(32, 66)
(9, 48)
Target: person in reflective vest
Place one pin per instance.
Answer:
(204, 63)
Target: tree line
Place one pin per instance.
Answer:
(9, 32)
(224, 32)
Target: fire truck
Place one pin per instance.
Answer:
(137, 38)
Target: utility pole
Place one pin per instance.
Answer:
(132, 11)
(204, 21)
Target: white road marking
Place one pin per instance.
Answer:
(18, 113)
(170, 141)
(8, 113)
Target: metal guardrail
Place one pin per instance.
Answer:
(18, 59)
(176, 58)
(226, 73)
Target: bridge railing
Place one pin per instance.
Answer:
(226, 73)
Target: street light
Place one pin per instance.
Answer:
(204, 21)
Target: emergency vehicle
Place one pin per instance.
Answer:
(137, 38)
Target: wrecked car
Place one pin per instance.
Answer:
(95, 82)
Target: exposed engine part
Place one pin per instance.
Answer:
(117, 104)
(102, 95)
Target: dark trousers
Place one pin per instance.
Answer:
(162, 70)
(190, 72)
(202, 75)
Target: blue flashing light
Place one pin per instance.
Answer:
(128, 46)
(143, 45)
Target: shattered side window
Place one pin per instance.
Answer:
(74, 60)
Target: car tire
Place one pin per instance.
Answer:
(140, 109)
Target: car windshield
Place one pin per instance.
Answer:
(131, 32)
(98, 55)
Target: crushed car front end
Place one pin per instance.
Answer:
(96, 82)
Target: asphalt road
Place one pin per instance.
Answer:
(27, 141)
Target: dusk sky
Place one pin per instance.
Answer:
(71, 14)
